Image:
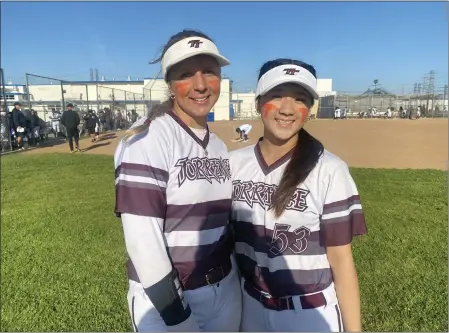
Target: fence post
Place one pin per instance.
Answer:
(5, 110)
(62, 97)
(87, 98)
(96, 92)
(28, 92)
(113, 99)
(126, 104)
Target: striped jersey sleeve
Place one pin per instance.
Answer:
(141, 176)
(342, 216)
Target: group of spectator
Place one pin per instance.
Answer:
(110, 121)
(20, 124)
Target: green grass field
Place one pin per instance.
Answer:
(62, 259)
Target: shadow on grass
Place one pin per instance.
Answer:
(95, 146)
(107, 137)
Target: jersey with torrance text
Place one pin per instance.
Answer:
(286, 256)
(183, 183)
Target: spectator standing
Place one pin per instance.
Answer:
(19, 124)
(92, 122)
(119, 120)
(34, 128)
(134, 116)
(101, 116)
(71, 120)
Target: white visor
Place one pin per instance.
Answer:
(287, 74)
(190, 47)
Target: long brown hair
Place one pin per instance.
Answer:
(306, 153)
(166, 106)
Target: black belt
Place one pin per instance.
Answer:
(195, 281)
(213, 276)
(284, 303)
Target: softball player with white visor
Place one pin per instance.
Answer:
(173, 194)
(295, 211)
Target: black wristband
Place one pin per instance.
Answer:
(168, 299)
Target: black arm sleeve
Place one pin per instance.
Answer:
(167, 297)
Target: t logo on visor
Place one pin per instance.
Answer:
(291, 71)
(194, 43)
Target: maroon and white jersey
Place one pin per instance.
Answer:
(181, 184)
(286, 256)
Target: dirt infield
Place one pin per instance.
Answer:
(371, 143)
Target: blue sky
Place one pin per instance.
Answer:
(351, 42)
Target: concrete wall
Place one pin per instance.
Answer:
(221, 108)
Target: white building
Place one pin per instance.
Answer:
(244, 104)
(14, 93)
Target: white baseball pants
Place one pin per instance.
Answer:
(56, 126)
(257, 318)
(216, 308)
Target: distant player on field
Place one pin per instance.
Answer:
(243, 132)
(173, 194)
(337, 113)
(295, 211)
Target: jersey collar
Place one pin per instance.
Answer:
(203, 143)
(266, 169)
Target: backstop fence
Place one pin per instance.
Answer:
(119, 100)
(5, 125)
(430, 105)
(46, 95)
(358, 105)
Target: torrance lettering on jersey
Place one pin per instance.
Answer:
(262, 194)
(197, 168)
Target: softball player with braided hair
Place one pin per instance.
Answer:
(295, 211)
(173, 194)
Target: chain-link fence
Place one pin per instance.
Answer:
(5, 123)
(357, 105)
(324, 107)
(44, 95)
(49, 98)
(405, 105)
(121, 107)
(244, 106)
(155, 92)
(76, 94)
